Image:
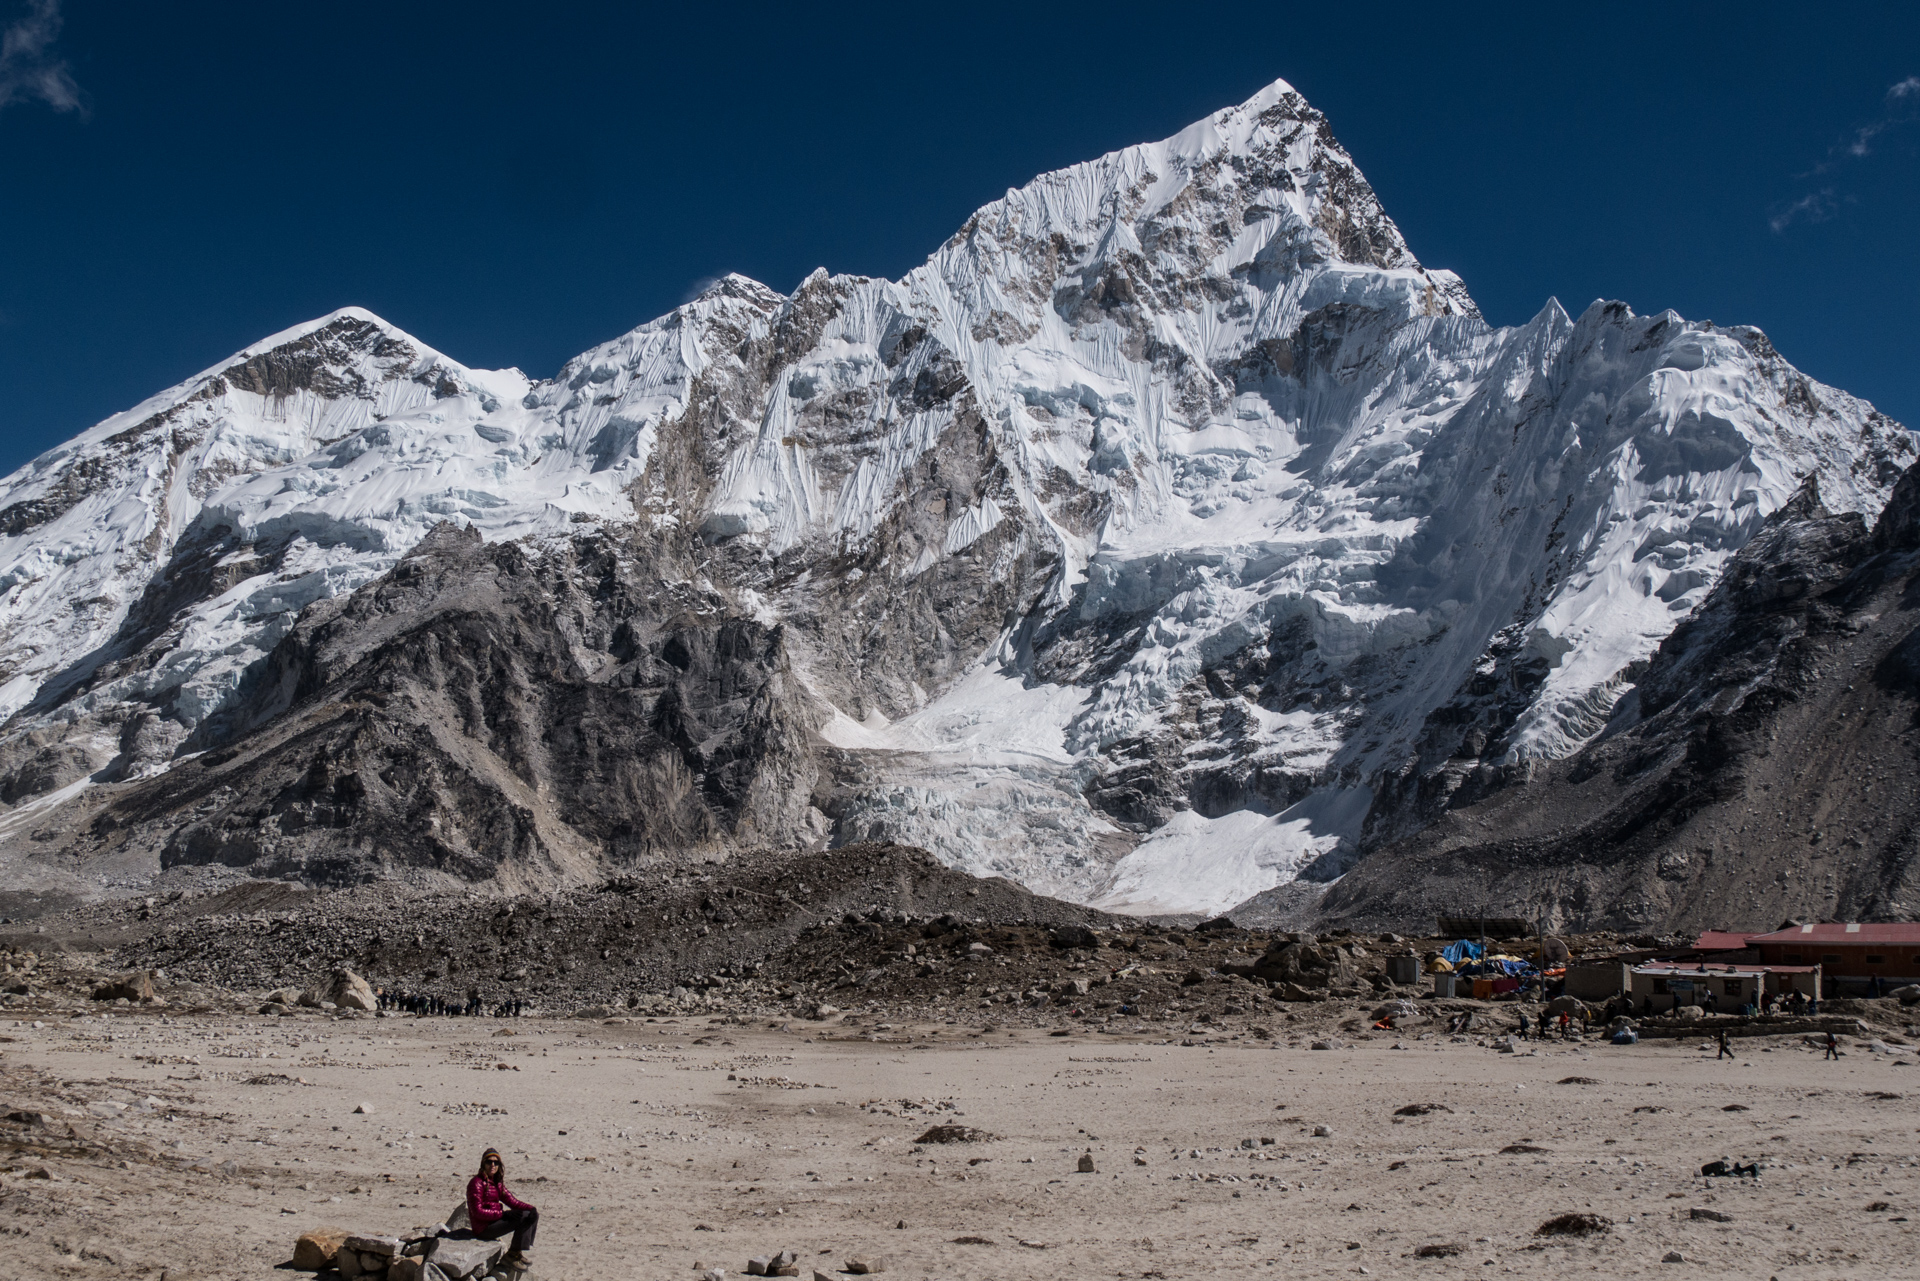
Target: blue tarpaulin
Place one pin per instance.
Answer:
(1464, 950)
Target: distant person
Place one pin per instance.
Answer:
(494, 1211)
(1523, 1025)
(1726, 1047)
(1833, 1048)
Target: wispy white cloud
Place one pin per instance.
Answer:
(29, 70)
(1899, 107)
(1897, 112)
(1815, 206)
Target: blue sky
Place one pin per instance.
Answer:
(514, 183)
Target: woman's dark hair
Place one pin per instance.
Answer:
(493, 1154)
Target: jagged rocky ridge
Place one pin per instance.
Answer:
(1170, 533)
(1762, 769)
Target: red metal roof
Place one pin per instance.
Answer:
(1846, 932)
(1721, 941)
(1717, 967)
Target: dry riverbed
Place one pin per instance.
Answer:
(201, 1146)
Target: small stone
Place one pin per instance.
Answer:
(1673, 1256)
(137, 985)
(1086, 1163)
(758, 1265)
(384, 1247)
(363, 1109)
(864, 1265)
(954, 1134)
(464, 1258)
(714, 1274)
(818, 1275)
(315, 1251)
(1322, 1131)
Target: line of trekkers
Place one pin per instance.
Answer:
(431, 1003)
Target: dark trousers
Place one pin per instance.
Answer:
(522, 1223)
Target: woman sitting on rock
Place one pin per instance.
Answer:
(493, 1211)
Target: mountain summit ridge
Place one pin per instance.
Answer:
(1170, 531)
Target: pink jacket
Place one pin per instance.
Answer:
(488, 1202)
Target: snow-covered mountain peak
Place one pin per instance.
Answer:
(1170, 530)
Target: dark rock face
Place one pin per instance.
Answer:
(492, 710)
(1764, 766)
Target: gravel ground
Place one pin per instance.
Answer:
(202, 1146)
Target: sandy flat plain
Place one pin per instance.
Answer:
(652, 1146)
